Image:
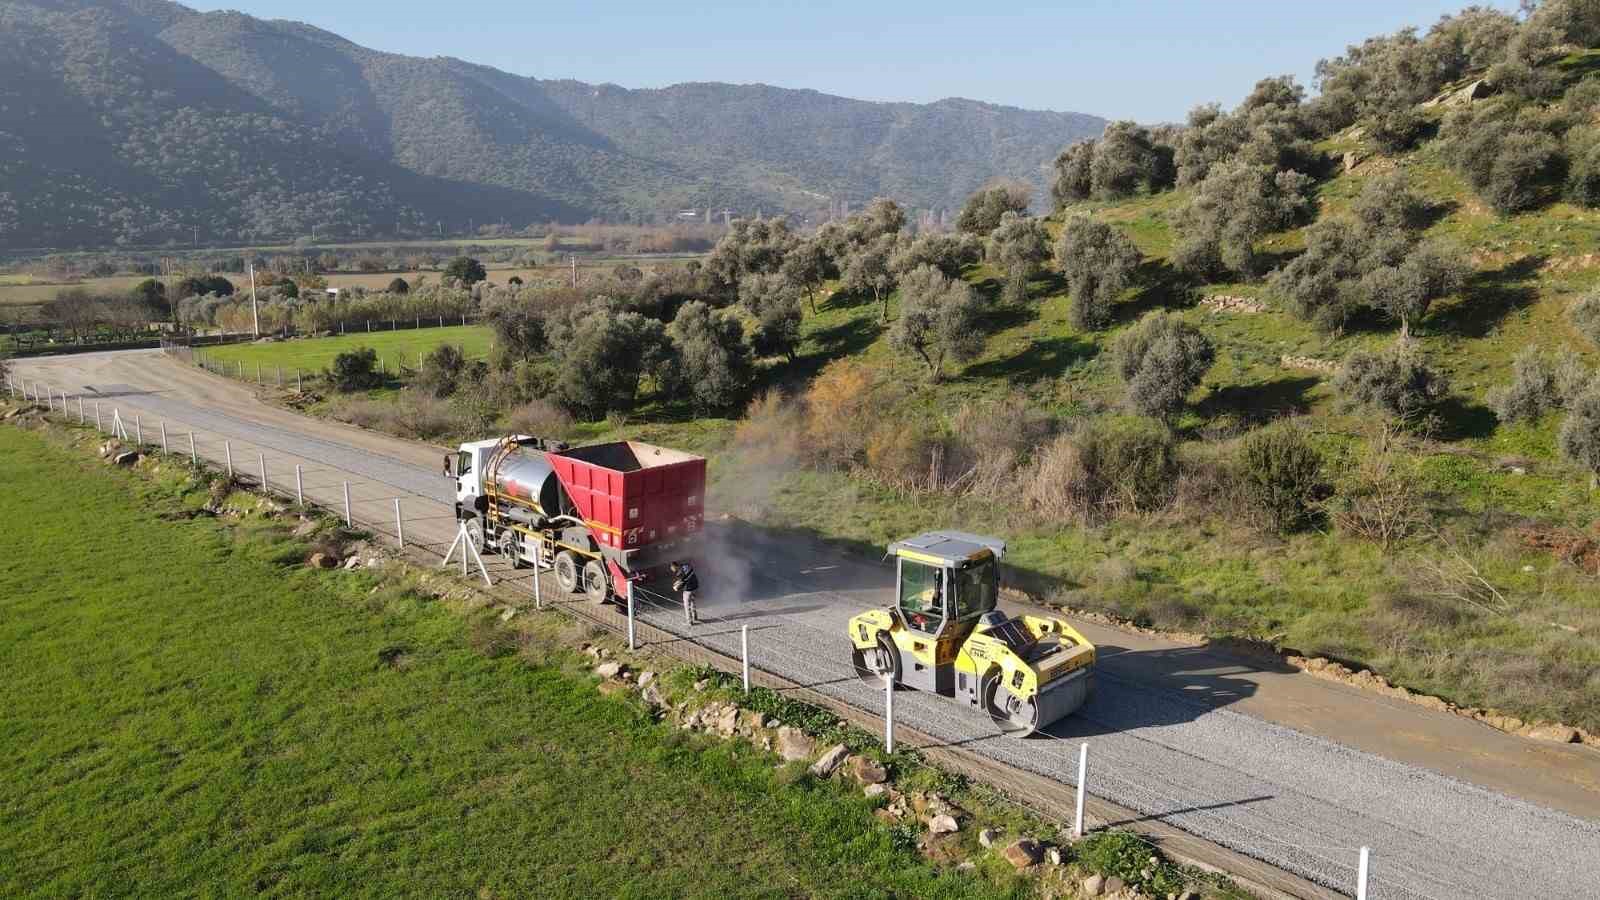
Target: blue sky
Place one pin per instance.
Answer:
(1149, 61)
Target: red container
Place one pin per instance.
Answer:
(634, 495)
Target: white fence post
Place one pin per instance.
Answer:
(80, 409)
(163, 437)
(632, 643)
(297, 388)
(280, 376)
(194, 458)
(138, 431)
(400, 531)
(538, 601)
(261, 463)
(97, 426)
(241, 370)
(227, 451)
(888, 714)
(299, 491)
(744, 654)
(349, 522)
(1083, 777)
(1361, 875)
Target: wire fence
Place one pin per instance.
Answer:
(782, 657)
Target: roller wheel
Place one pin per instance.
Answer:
(596, 586)
(475, 533)
(1018, 718)
(567, 571)
(874, 664)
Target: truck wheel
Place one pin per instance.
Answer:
(596, 586)
(567, 571)
(873, 665)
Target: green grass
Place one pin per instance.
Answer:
(188, 710)
(406, 347)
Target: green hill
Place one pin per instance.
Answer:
(140, 122)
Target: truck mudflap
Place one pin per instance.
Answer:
(1054, 702)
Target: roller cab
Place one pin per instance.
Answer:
(944, 635)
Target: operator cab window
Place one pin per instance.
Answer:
(977, 589)
(464, 463)
(922, 595)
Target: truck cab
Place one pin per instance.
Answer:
(466, 467)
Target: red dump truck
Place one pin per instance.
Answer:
(600, 515)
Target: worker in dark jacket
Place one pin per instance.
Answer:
(686, 582)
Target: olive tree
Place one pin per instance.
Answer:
(938, 319)
(949, 253)
(603, 355)
(1018, 247)
(983, 209)
(1072, 181)
(1236, 205)
(867, 270)
(751, 246)
(710, 360)
(1586, 317)
(774, 302)
(806, 265)
(466, 270)
(1162, 359)
(1098, 261)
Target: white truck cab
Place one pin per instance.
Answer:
(466, 466)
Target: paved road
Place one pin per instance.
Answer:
(1289, 770)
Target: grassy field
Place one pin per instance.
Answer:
(285, 731)
(405, 346)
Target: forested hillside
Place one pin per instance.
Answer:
(143, 122)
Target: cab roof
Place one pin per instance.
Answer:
(950, 547)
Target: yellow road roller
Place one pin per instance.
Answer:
(944, 635)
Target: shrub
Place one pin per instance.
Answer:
(983, 210)
(603, 355)
(1580, 433)
(441, 368)
(769, 434)
(1397, 130)
(540, 418)
(355, 370)
(1120, 465)
(1380, 499)
(1282, 474)
(466, 270)
(1533, 391)
(1396, 383)
(1527, 172)
(1583, 176)
(843, 405)
(399, 286)
(1162, 359)
(1586, 317)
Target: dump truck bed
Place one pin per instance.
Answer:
(632, 494)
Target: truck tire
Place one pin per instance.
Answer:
(567, 571)
(596, 586)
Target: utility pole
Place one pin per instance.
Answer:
(255, 311)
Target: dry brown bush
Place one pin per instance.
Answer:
(844, 406)
(411, 415)
(540, 418)
(769, 434)
(1059, 486)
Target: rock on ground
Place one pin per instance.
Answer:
(987, 836)
(1561, 734)
(867, 770)
(1094, 886)
(608, 669)
(794, 744)
(320, 560)
(1024, 853)
(874, 790)
(943, 824)
(829, 761)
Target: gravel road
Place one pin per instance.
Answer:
(1169, 749)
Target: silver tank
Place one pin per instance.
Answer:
(528, 476)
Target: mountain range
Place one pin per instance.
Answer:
(143, 122)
